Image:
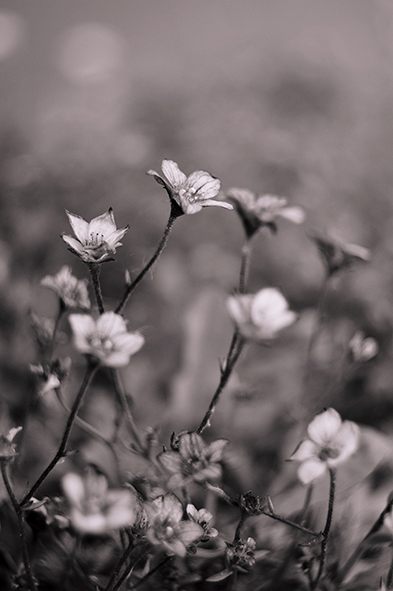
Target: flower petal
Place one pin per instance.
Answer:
(306, 449)
(103, 225)
(129, 342)
(347, 441)
(211, 202)
(216, 449)
(294, 214)
(205, 185)
(175, 176)
(241, 198)
(110, 324)
(74, 488)
(311, 470)
(74, 244)
(79, 226)
(191, 446)
(324, 427)
(188, 531)
(83, 326)
(172, 461)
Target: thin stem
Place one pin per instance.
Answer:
(130, 288)
(239, 527)
(126, 409)
(390, 575)
(151, 572)
(245, 265)
(95, 271)
(326, 531)
(90, 371)
(306, 504)
(291, 523)
(220, 493)
(21, 524)
(235, 349)
(123, 559)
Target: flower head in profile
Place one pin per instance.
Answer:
(262, 315)
(51, 375)
(106, 338)
(203, 518)
(363, 348)
(7, 445)
(257, 211)
(330, 442)
(338, 255)
(188, 194)
(95, 241)
(193, 459)
(166, 527)
(96, 509)
(71, 291)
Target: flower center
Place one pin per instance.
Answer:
(327, 453)
(189, 194)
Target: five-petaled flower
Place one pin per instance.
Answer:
(257, 211)
(96, 509)
(193, 459)
(106, 338)
(166, 526)
(71, 291)
(330, 442)
(338, 255)
(95, 241)
(262, 315)
(188, 194)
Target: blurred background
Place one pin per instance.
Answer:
(291, 98)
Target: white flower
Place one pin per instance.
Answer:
(256, 211)
(95, 509)
(189, 194)
(331, 442)
(72, 291)
(95, 241)
(338, 255)
(106, 338)
(262, 315)
(362, 348)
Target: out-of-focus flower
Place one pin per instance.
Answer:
(188, 194)
(106, 338)
(241, 554)
(71, 291)
(257, 211)
(95, 241)
(362, 348)
(337, 255)
(96, 509)
(43, 330)
(331, 442)
(166, 527)
(262, 315)
(203, 518)
(194, 459)
(7, 447)
(52, 375)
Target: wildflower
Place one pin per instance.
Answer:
(96, 509)
(262, 315)
(188, 194)
(203, 518)
(194, 459)
(362, 348)
(52, 375)
(338, 255)
(43, 330)
(331, 442)
(71, 291)
(252, 504)
(106, 338)
(7, 447)
(95, 241)
(240, 555)
(257, 211)
(166, 527)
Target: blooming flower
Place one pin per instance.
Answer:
(362, 348)
(95, 241)
(194, 459)
(70, 290)
(330, 442)
(166, 527)
(262, 315)
(7, 447)
(203, 518)
(338, 255)
(241, 554)
(256, 211)
(95, 509)
(188, 194)
(106, 338)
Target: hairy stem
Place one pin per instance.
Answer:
(326, 531)
(277, 517)
(95, 271)
(245, 265)
(130, 288)
(21, 524)
(90, 371)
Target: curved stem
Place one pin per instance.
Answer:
(245, 265)
(235, 349)
(21, 524)
(291, 523)
(328, 524)
(239, 527)
(90, 371)
(95, 271)
(126, 409)
(130, 288)
(389, 578)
